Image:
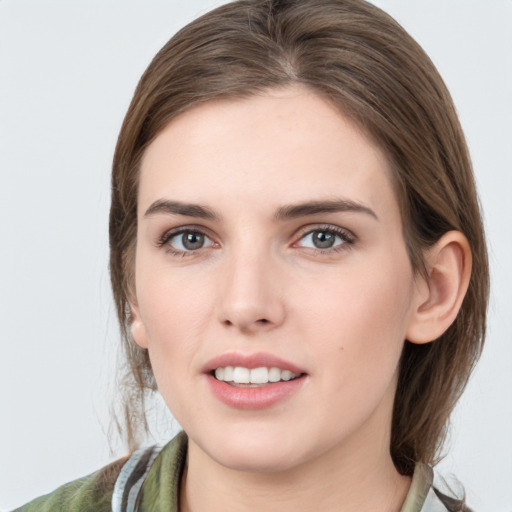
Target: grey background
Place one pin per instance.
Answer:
(67, 72)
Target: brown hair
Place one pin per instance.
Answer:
(364, 63)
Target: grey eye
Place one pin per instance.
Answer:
(321, 239)
(190, 241)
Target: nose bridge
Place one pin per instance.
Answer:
(250, 295)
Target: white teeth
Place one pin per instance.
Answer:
(274, 375)
(262, 375)
(228, 374)
(241, 375)
(286, 375)
(259, 376)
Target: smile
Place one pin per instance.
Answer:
(253, 377)
(253, 381)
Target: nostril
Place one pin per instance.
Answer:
(246, 321)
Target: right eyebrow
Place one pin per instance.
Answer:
(179, 208)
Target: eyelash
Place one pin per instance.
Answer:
(169, 235)
(347, 237)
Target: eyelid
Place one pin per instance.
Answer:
(345, 234)
(168, 235)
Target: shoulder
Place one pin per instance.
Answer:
(92, 493)
(149, 474)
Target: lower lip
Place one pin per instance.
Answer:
(254, 398)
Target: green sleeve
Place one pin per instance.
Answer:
(92, 493)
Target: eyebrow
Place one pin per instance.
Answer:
(315, 207)
(287, 212)
(179, 208)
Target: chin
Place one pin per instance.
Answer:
(256, 461)
(253, 452)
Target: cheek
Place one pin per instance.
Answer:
(171, 326)
(169, 298)
(360, 320)
(174, 308)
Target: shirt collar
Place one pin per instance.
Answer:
(160, 491)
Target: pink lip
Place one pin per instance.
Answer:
(252, 398)
(250, 361)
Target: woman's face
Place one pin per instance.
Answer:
(270, 239)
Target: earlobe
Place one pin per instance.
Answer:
(137, 329)
(439, 295)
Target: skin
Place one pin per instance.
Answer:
(259, 284)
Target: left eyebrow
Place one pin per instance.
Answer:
(294, 211)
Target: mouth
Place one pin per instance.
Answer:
(253, 381)
(240, 376)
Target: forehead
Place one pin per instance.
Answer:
(284, 146)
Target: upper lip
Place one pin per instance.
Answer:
(256, 360)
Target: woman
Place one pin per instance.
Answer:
(298, 263)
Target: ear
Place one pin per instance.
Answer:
(137, 328)
(438, 297)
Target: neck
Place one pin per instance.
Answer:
(342, 479)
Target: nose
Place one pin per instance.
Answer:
(251, 294)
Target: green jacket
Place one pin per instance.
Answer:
(149, 481)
